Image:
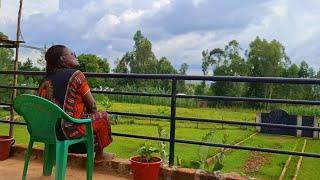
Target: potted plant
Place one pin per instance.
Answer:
(145, 166)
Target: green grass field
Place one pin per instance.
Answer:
(213, 113)
(253, 164)
(260, 165)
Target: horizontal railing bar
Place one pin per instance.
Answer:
(139, 115)
(12, 122)
(222, 98)
(276, 151)
(186, 77)
(5, 104)
(18, 87)
(131, 93)
(33, 73)
(247, 123)
(247, 99)
(140, 137)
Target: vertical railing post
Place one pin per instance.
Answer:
(173, 120)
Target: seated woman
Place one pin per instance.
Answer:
(69, 89)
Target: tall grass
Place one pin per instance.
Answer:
(305, 110)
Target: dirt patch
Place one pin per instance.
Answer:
(256, 160)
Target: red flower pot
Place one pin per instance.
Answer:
(5, 145)
(145, 170)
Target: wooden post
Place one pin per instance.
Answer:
(258, 120)
(15, 77)
(299, 123)
(315, 124)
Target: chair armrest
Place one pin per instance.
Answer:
(78, 121)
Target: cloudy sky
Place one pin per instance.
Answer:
(178, 29)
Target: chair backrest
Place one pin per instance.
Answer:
(41, 115)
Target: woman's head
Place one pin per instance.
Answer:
(59, 56)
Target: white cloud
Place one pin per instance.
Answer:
(113, 3)
(188, 47)
(197, 2)
(104, 27)
(158, 4)
(280, 9)
(179, 29)
(9, 8)
(32, 7)
(9, 12)
(131, 15)
(91, 7)
(122, 18)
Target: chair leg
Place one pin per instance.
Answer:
(61, 160)
(27, 159)
(49, 151)
(90, 147)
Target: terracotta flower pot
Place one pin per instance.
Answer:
(145, 170)
(5, 145)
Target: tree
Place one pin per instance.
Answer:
(265, 59)
(27, 79)
(304, 70)
(225, 62)
(93, 63)
(292, 71)
(28, 66)
(212, 58)
(182, 84)
(183, 69)
(144, 60)
(6, 63)
(123, 67)
(122, 64)
(165, 67)
(289, 90)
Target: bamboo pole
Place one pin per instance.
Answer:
(212, 158)
(15, 77)
(285, 168)
(299, 162)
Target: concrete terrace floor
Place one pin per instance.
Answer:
(12, 169)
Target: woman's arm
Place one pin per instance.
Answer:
(90, 103)
(84, 91)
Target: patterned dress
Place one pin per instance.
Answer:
(66, 88)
